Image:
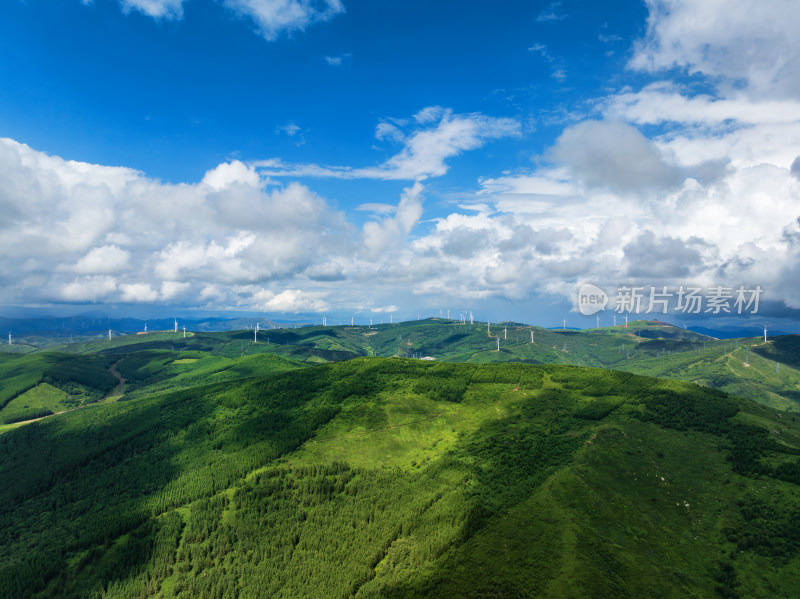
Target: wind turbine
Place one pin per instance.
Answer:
(598, 322)
(626, 321)
(184, 332)
(498, 343)
(488, 331)
(615, 320)
(9, 337)
(765, 333)
(505, 332)
(565, 324)
(531, 335)
(109, 334)
(145, 327)
(351, 321)
(176, 325)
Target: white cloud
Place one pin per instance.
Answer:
(614, 156)
(232, 173)
(137, 292)
(272, 18)
(337, 61)
(658, 103)
(87, 289)
(275, 17)
(108, 259)
(377, 207)
(551, 13)
(169, 9)
(438, 136)
(378, 236)
(389, 131)
(385, 309)
(172, 290)
(735, 41)
(291, 300)
(62, 220)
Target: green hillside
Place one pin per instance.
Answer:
(643, 347)
(400, 478)
(33, 385)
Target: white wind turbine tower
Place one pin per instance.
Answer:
(598, 322)
(531, 335)
(505, 332)
(176, 325)
(626, 321)
(184, 332)
(488, 330)
(565, 324)
(255, 334)
(615, 320)
(471, 321)
(765, 333)
(498, 343)
(145, 327)
(9, 337)
(109, 334)
(391, 318)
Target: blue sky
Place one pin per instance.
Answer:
(326, 157)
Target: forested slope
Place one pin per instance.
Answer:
(397, 478)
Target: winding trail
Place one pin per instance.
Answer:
(118, 389)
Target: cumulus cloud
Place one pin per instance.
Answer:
(737, 42)
(137, 292)
(291, 300)
(615, 156)
(380, 235)
(107, 259)
(68, 226)
(662, 258)
(88, 289)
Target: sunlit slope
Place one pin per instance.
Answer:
(765, 372)
(398, 478)
(155, 370)
(35, 384)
